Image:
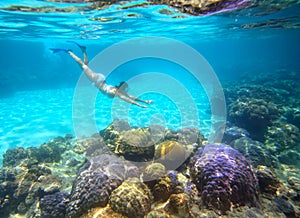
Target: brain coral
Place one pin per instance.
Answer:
(54, 205)
(132, 199)
(224, 177)
(91, 189)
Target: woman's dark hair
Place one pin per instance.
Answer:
(122, 86)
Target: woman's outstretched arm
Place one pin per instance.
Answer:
(129, 100)
(138, 99)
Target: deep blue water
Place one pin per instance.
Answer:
(37, 86)
(29, 65)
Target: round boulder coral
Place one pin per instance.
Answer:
(154, 171)
(134, 144)
(90, 189)
(224, 177)
(54, 205)
(95, 182)
(132, 199)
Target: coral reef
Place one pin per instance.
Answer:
(293, 116)
(95, 182)
(144, 144)
(90, 189)
(171, 153)
(21, 188)
(233, 133)
(93, 176)
(179, 205)
(267, 180)
(133, 144)
(282, 136)
(54, 205)
(256, 152)
(99, 212)
(185, 136)
(132, 199)
(51, 151)
(8, 185)
(197, 7)
(14, 157)
(35, 172)
(224, 177)
(283, 140)
(286, 207)
(90, 146)
(245, 91)
(165, 186)
(154, 171)
(253, 114)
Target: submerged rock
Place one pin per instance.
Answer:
(290, 157)
(224, 177)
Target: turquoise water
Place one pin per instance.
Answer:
(37, 86)
(237, 65)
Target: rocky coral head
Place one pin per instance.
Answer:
(224, 177)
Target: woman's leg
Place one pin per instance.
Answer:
(76, 58)
(91, 75)
(83, 50)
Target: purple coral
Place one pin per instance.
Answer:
(224, 178)
(95, 183)
(54, 205)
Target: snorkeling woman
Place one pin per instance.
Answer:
(99, 79)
